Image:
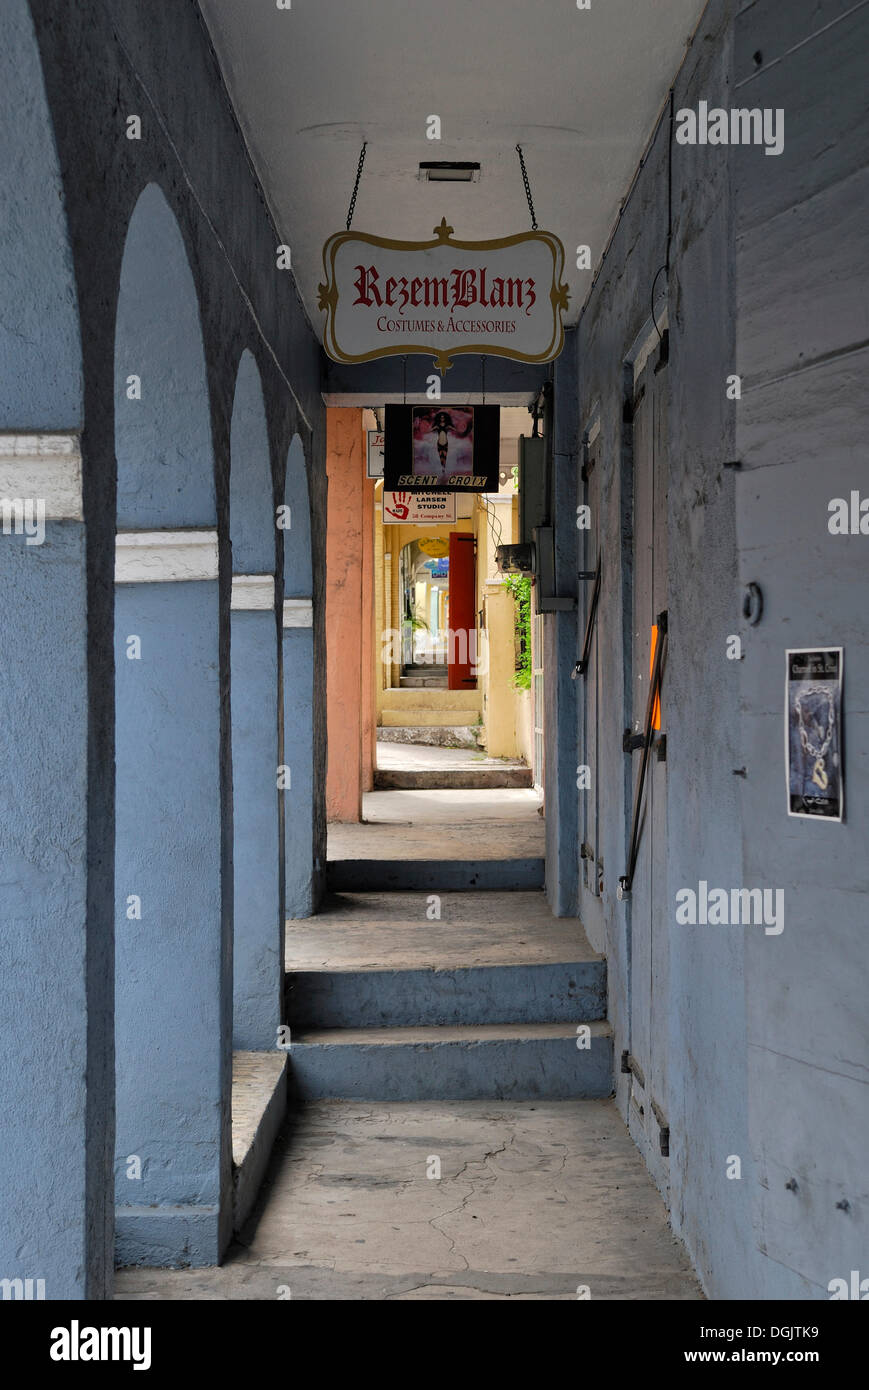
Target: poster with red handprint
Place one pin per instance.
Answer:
(418, 508)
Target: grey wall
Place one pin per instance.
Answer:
(764, 1046)
(802, 258)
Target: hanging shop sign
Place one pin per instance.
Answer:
(454, 448)
(500, 298)
(436, 546)
(813, 732)
(374, 464)
(419, 508)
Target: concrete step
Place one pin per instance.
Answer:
(431, 735)
(435, 875)
(499, 1062)
(423, 682)
(467, 779)
(417, 716)
(422, 697)
(259, 1103)
(563, 992)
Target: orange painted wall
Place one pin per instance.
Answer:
(350, 692)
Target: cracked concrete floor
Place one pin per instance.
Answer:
(534, 1199)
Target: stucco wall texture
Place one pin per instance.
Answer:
(71, 76)
(762, 1031)
(349, 617)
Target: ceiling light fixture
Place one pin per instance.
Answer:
(449, 171)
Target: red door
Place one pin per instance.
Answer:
(462, 644)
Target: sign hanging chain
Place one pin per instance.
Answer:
(527, 188)
(356, 184)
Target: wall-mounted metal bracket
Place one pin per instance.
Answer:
(547, 601)
(626, 881)
(581, 666)
(663, 1129)
(630, 1064)
(752, 604)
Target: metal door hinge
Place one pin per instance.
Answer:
(663, 1129)
(630, 1064)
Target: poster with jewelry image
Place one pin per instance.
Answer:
(813, 732)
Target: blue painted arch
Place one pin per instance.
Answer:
(297, 537)
(163, 439)
(251, 495)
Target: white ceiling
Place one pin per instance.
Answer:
(579, 89)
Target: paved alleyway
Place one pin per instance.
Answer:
(534, 1200)
(443, 1142)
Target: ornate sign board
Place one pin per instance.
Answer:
(500, 298)
(451, 448)
(435, 546)
(419, 508)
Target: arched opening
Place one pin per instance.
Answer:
(256, 772)
(172, 870)
(298, 687)
(424, 578)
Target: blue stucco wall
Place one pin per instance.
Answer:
(173, 1015)
(46, 1067)
(300, 691)
(251, 511)
(299, 799)
(163, 441)
(56, 964)
(66, 157)
(257, 934)
(257, 915)
(40, 351)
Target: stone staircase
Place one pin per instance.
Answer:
(438, 717)
(495, 1000)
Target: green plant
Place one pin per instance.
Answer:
(519, 586)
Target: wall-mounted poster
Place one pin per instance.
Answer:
(813, 732)
(453, 448)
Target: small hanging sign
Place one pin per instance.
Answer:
(418, 508)
(503, 298)
(374, 462)
(453, 448)
(813, 732)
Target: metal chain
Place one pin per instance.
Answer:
(527, 188)
(356, 184)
